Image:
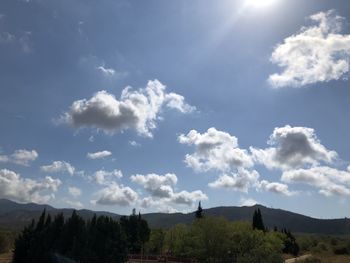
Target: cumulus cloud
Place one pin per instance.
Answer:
(216, 150)
(104, 177)
(294, 147)
(240, 181)
(329, 181)
(115, 194)
(136, 110)
(247, 202)
(157, 185)
(13, 186)
(317, 53)
(188, 198)
(74, 191)
(98, 155)
(162, 187)
(58, 167)
(21, 157)
(159, 204)
(275, 187)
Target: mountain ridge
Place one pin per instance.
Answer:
(15, 216)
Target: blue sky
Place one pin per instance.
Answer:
(111, 105)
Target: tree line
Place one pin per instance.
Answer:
(103, 239)
(100, 239)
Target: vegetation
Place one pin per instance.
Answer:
(258, 222)
(207, 239)
(100, 239)
(213, 239)
(6, 240)
(199, 212)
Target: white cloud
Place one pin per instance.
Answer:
(21, 157)
(98, 155)
(115, 194)
(275, 187)
(58, 167)
(247, 202)
(294, 147)
(157, 185)
(240, 181)
(6, 37)
(136, 109)
(188, 198)
(74, 191)
(329, 181)
(104, 177)
(74, 204)
(4, 158)
(214, 150)
(162, 187)
(176, 101)
(317, 53)
(134, 143)
(108, 72)
(26, 42)
(13, 186)
(160, 205)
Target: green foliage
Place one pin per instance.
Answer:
(101, 239)
(213, 239)
(136, 230)
(156, 242)
(6, 241)
(290, 244)
(324, 245)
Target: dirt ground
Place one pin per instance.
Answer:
(6, 258)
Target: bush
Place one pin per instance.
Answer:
(341, 250)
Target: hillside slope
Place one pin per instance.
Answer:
(15, 216)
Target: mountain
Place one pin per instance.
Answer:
(15, 216)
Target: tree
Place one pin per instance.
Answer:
(136, 230)
(258, 222)
(98, 240)
(199, 211)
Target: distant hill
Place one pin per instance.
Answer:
(14, 216)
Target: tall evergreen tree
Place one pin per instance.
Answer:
(258, 222)
(99, 240)
(199, 211)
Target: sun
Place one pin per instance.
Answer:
(259, 3)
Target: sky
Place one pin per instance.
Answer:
(156, 105)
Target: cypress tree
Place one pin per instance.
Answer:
(258, 222)
(199, 212)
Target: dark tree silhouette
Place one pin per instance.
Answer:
(136, 230)
(258, 222)
(100, 239)
(290, 244)
(199, 211)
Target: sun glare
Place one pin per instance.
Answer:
(259, 3)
